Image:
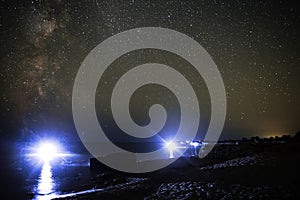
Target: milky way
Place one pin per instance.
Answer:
(255, 45)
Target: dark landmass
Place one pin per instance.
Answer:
(247, 169)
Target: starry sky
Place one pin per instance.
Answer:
(255, 45)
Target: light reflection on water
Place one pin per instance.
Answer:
(60, 177)
(46, 183)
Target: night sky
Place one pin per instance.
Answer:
(255, 45)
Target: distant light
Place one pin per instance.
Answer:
(47, 151)
(171, 146)
(194, 144)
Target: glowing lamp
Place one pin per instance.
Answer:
(171, 146)
(47, 151)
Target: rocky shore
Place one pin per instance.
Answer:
(231, 171)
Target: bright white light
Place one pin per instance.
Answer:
(194, 144)
(171, 146)
(47, 151)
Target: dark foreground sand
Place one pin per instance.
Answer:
(244, 171)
